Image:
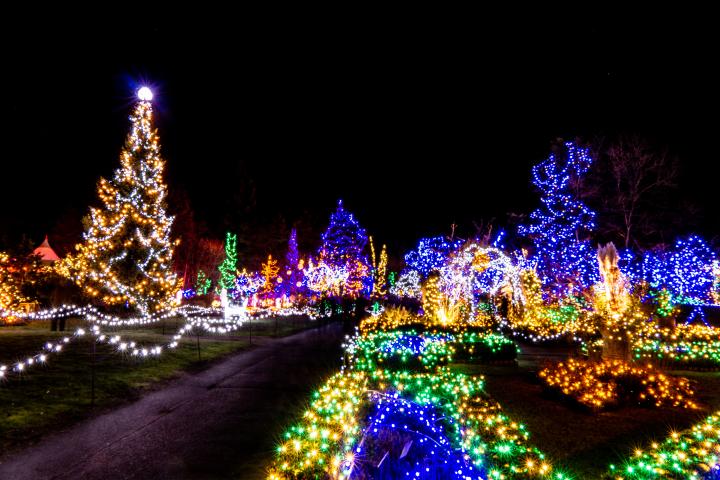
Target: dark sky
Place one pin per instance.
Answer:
(416, 125)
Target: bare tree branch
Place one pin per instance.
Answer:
(637, 173)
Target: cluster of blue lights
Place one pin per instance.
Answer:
(686, 269)
(343, 244)
(560, 227)
(293, 283)
(430, 254)
(426, 451)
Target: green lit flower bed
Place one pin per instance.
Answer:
(399, 350)
(691, 454)
(404, 372)
(471, 347)
(687, 347)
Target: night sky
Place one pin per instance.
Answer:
(414, 125)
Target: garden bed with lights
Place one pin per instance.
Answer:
(378, 434)
(614, 383)
(686, 347)
(484, 348)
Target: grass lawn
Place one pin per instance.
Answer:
(58, 394)
(578, 441)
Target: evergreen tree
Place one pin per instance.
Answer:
(126, 256)
(342, 249)
(10, 294)
(203, 283)
(228, 268)
(293, 275)
(269, 272)
(381, 287)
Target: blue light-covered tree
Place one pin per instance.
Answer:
(430, 254)
(342, 248)
(686, 270)
(561, 226)
(292, 276)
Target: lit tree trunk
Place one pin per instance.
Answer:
(612, 305)
(615, 347)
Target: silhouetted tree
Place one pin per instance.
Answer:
(636, 179)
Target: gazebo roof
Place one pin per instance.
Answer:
(47, 254)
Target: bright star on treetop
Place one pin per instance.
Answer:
(145, 94)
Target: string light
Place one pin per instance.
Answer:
(408, 285)
(294, 281)
(390, 319)
(380, 284)
(193, 316)
(269, 272)
(683, 346)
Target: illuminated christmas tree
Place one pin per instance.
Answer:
(292, 280)
(126, 256)
(381, 288)
(228, 267)
(10, 295)
(372, 281)
(342, 249)
(432, 298)
(560, 227)
(203, 283)
(269, 271)
(408, 285)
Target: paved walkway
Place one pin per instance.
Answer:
(216, 424)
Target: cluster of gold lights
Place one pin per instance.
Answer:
(10, 295)
(379, 270)
(390, 319)
(596, 384)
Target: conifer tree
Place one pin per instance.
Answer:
(126, 255)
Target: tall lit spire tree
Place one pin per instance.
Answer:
(292, 272)
(381, 287)
(228, 267)
(379, 271)
(342, 249)
(126, 256)
(373, 266)
(270, 271)
(560, 227)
